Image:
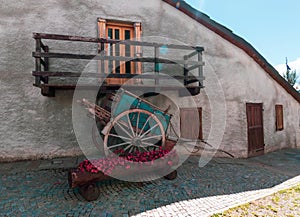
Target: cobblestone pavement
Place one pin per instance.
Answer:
(40, 188)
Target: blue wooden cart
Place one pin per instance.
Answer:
(131, 123)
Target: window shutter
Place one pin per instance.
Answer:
(137, 31)
(101, 34)
(138, 50)
(101, 28)
(190, 128)
(279, 117)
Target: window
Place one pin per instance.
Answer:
(279, 117)
(120, 31)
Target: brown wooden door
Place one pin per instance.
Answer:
(255, 129)
(190, 127)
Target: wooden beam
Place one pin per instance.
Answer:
(200, 69)
(38, 60)
(194, 53)
(112, 58)
(47, 91)
(185, 71)
(190, 81)
(196, 66)
(112, 75)
(111, 41)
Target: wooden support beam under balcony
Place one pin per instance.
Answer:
(49, 89)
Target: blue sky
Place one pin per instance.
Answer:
(270, 26)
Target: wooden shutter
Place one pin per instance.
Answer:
(190, 127)
(279, 117)
(101, 28)
(138, 50)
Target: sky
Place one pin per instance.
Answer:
(270, 26)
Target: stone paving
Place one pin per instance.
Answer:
(40, 188)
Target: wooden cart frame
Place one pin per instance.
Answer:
(131, 125)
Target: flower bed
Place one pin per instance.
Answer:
(135, 167)
(108, 164)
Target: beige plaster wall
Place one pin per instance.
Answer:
(33, 126)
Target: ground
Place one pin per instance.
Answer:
(283, 203)
(40, 188)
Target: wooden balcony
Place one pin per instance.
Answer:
(114, 69)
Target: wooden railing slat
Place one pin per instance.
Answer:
(112, 75)
(113, 58)
(111, 41)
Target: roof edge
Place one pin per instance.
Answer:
(236, 40)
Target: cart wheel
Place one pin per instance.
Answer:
(171, 176)
(134, 130)
(90, 192)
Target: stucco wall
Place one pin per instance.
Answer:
(33, 126)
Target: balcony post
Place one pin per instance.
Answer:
(200, 70)
(156, 65)
(38, 67)
(185, 71)
(46, 67)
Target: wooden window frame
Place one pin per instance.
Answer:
(136, 28)
(279, 117)
(121, 28)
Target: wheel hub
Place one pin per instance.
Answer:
(136, 141)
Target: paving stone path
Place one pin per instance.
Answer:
(40, 188)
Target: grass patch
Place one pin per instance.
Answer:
(276, 199)
(273, 209)
(270, 206)
(217, 215)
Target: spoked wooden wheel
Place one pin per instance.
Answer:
(134, 130)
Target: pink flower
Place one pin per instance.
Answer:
(107, 164)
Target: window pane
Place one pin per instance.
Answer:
(117, 49)
(127, 52)
(127, 34)
(120, 32)
(117, 34)
(128, 67)
(110, 50)
(110, 33)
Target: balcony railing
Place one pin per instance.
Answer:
(50, 62)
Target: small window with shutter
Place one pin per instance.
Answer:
(279, 117)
